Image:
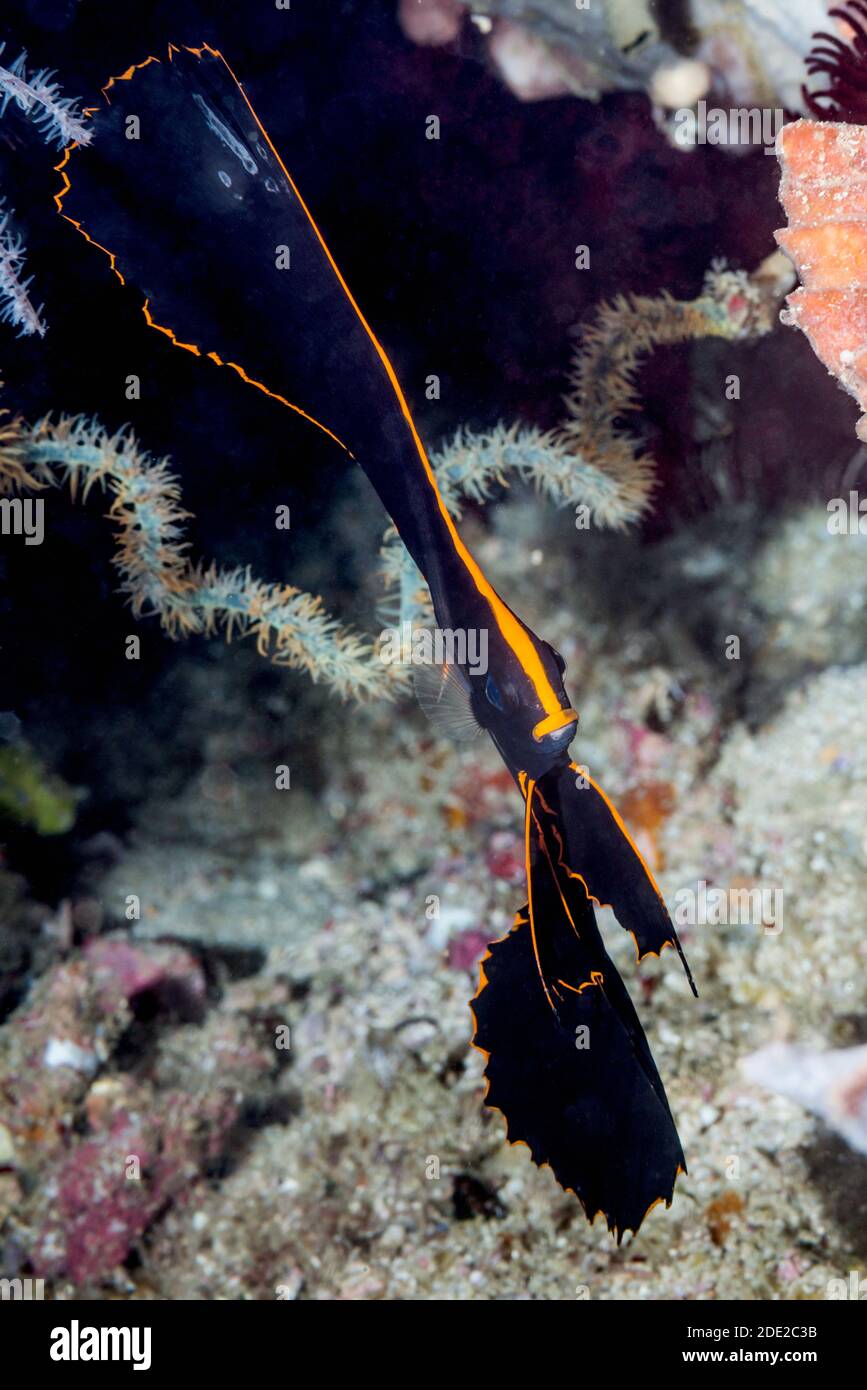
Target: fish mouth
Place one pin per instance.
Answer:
(554, 722)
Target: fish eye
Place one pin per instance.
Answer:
(492, 693)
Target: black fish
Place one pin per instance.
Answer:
(207, 237)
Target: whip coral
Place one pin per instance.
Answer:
(588, 460)
(473, 466)
(16, 306)
(732, 305)
(59, 121)
(290, 627)
(56, 117)
(14, 473)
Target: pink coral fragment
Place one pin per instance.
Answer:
(824, 193)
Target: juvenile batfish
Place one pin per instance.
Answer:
(194, 213)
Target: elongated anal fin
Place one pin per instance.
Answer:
(571, 1087)
(566, 939)
(594, 847)
(567, 1061)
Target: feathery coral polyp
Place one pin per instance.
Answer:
(38, 95)
(16, 306)
(841, 59)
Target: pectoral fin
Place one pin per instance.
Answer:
(443, 692)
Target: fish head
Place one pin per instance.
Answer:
(522, 703)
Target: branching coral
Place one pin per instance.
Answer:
(16, 306)
(59, 121)
(732, 305)
(473, 466)
(588, 462)
(15, 476)
(57, 118)
(291, 628)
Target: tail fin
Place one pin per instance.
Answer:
(572, 1085)
(568, 1063)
